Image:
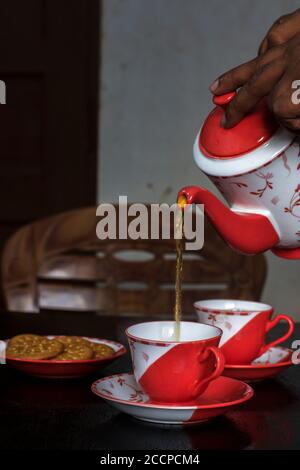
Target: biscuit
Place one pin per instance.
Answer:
(42, 348)
(75, 352)
(25, 339)
(71, 340)
(102, 350)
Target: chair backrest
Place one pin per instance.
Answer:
(58, 263)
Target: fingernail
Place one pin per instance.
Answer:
(214, 85)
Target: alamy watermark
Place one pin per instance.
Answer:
(296, 93)
(2, 352)
(139, 221)
(2, 92)
(296, 354)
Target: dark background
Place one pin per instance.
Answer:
(49, 60)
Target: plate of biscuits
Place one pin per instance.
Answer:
(60, 356)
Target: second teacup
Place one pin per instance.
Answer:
(244, 325)
(173, 371)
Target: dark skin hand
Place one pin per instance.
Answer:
(272, 74)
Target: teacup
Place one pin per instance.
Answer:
(244, 325)
(172, 371)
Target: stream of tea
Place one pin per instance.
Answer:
(178, 277)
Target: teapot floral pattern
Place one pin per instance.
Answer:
(273, 190)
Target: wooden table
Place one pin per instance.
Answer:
(36, 414)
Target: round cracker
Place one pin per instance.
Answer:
(44, 348)
(102, 350)
(72, 340)
(75, 352)
(25, 339)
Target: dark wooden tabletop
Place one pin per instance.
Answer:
(37, 414)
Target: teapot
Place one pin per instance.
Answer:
(256, 167)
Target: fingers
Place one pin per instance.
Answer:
(282, 31)
(240, 75)
(292, 125)
(233, 79)
(284, 100)
(263, 46)
(260, 85)
(271, 74)
(276, 35)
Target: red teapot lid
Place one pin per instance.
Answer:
(251, 132)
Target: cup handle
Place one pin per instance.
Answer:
(271, 325)
(220, 364)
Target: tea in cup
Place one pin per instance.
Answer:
(170, 370)
(244, 325)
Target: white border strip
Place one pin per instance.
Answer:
(247, 162)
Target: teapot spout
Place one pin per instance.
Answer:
(248, 233)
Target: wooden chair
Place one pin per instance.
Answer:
(58, 263)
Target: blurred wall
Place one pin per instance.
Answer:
(158, 59)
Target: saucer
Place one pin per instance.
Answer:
(123, 392)
(52, 369)
(269, 364)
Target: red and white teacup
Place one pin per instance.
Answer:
(173, 371)
(244, 325)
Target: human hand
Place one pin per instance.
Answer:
(271, 74)
(284, 29)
